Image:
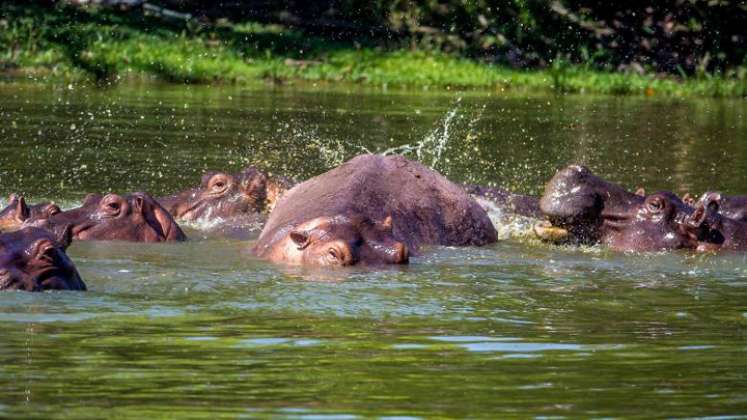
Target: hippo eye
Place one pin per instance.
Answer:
(111, 208)
(333, 254)
(218, 184)
(52, 210)
(656, 205)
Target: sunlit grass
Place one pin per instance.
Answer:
(75, 45)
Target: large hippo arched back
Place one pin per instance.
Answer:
(388, 199)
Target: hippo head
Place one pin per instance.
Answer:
(33, 259)
(17, 211)
(135, 217)
(220, 195)
(580, 202)
(711, 228)
(705, 224)
(340, 241)
(655, 224)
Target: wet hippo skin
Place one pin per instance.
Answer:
(593, 210)
(372, 209)
(223, 195)
(133, 217)
(713, 229)
(34, 260)
(17, 211)
(519, 204)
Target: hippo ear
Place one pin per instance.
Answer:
(22, 210)
(388, 223)
(301, 238)
(138, 204)
(91, 198)
(65, 236)
(640, 191)
(255, 185)
(51, 209)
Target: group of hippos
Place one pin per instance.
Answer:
(372, 209)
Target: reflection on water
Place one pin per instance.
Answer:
(516, 329)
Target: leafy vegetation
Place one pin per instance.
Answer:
(73, 43)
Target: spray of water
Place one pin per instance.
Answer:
(430, 149)
(508, 225)
(298, 150)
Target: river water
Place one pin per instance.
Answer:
(520, 328)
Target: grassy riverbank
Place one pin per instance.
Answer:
(76, 45)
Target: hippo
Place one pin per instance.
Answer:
(517, 204)
(577, 200)
(134, 217)
(731, 206)
(17, 211)
(712, 228)
(591, 210)
(653, 225)
(223, 195)
(372, 209)
(34, 260)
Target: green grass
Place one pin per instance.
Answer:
(71, 44)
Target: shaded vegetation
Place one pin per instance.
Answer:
(105, 45)
(673, 36)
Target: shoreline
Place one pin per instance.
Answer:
(98, 47)
(578, 82)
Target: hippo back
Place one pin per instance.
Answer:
(426, 208)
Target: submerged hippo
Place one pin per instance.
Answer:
(223, 195)
(592, 210)
(712, 228)
(653, 225)
(580, 202)
(17, 211)
(518, 204)
(731, 206)
(134, 217)
(34, 260)
(372, 209)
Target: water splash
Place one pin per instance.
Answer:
(434, 143)
(456, 129)
(298, 150)
(508, 224)
(437, 139)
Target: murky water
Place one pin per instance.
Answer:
(516, 329)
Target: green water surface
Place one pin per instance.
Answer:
(518, 329)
